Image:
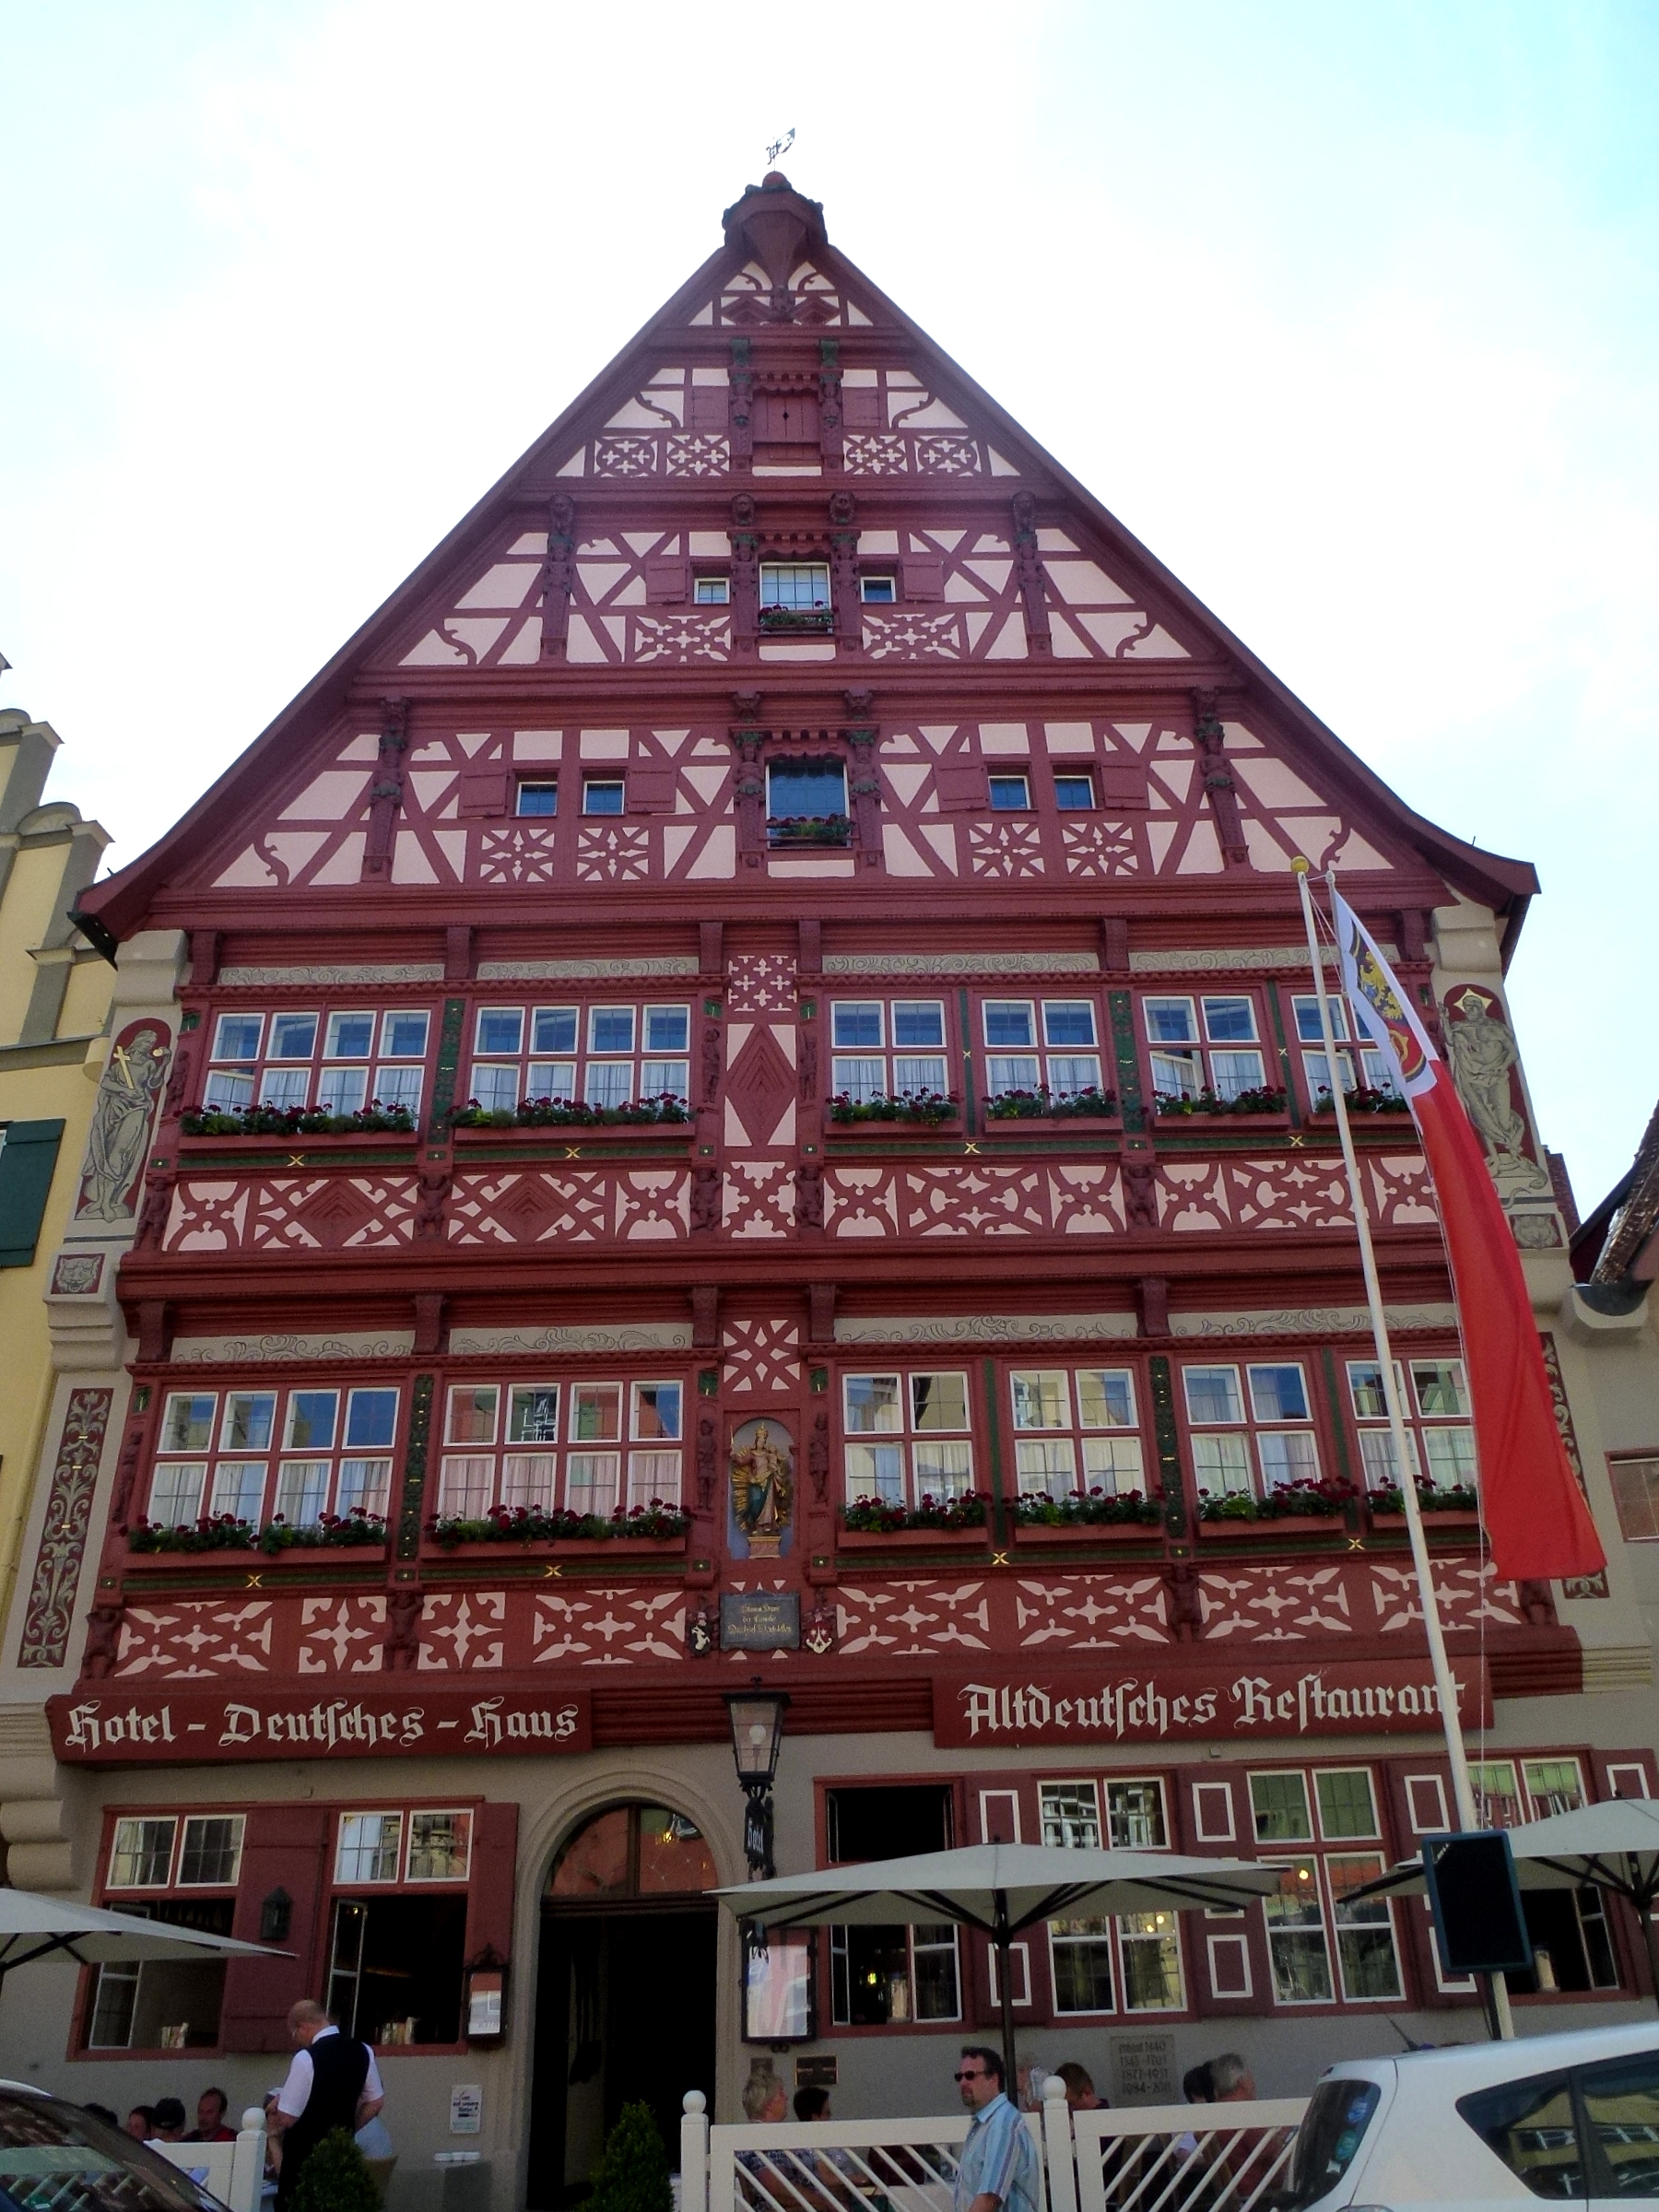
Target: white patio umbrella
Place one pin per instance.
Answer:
(35, 1927)
(1614, 1846)
(1001, 1889)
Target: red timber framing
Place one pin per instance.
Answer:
(788, 914)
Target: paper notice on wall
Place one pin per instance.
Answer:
(466, 2109)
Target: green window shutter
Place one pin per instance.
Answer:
(28, 1153)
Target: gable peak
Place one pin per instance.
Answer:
(775, 225)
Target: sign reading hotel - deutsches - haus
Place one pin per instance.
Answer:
(1253, 1703)
(176, 1727)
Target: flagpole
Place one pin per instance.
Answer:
(1440, 1665)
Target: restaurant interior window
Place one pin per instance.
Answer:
(890, 1976)
(167, 2005)
(396, 1953)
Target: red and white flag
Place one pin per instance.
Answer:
(1534, 1513)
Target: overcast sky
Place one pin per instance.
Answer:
(1349, 311)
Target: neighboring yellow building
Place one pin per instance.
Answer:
(54, 1006)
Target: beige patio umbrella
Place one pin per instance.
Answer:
(1001, 1889)
(1614, 1846)
(34, 1927)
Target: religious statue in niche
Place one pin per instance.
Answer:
(1485, 1068)
(122, 1114)
(762, 1487)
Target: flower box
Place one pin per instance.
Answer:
(1218, 1125)
(338, 1558)
(197, 1147)
(558, 1548)
(796, 621)
(1088, 1531)
(1454, 1517)
(1279, 1524)
(911, 1539)
(549, 1135)
(1082, 1127)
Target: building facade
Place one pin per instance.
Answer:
(746, 1106)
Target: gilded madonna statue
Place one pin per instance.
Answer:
(761, 1493)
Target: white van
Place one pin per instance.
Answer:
(1573, 2119)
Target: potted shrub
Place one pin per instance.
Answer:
(508, 1527)
(809, 829)
(873, 1525)
(928, 1107)
(1210, 1103)
(1288, 1507)
(1458, 1505)
(1088, 1517)
(1093, 1104)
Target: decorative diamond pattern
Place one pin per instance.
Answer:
(197, 1639)
(619, 852)
(342, 1635)
(760, 983)
(761, 1356)
(1005, 849)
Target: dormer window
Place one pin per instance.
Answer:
(711, 591)
(879, 591)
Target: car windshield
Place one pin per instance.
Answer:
(1338, 2114)
(55, 2158)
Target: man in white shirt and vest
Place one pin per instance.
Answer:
(334, 2082)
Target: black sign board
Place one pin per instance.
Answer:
(819, 2072)
(1475, 1901)
(757, 1620)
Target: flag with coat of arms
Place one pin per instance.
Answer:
(1535, 1513)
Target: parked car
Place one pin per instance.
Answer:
(56, 2158)
(1573, 2119)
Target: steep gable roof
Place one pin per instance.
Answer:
(775, 249)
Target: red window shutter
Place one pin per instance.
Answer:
(924, 580)
(787, 418)
(667, 582)
(1123, 786)
(961, 784)
(710, 408)
(860, 407)
(284, 1847)
(484, 790)
(494, 1871)
(650, 789)
(1226, 1959)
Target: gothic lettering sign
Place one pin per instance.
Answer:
(157, 1726)
(760, 1622)
(1245, 1703)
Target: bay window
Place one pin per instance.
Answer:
(1361, 1065)
(1049, 1044)
(292, 1454)
(603, 1056)
(1229, 1409)
(333, 1063)
(887, 1048)
(1438, 1436)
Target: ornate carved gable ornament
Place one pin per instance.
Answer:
(775, 225)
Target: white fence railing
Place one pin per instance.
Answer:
(1200, 2157)
(232, 2171)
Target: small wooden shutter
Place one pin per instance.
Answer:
(924, 578)
(1123, 786)
(1226, 1959)
(709, 407)
(284, 1848)
(860, 407)
(961, 784)
(485, 789)
(28, 1153)
(650, 789)
(494, 1872)
(667, 582)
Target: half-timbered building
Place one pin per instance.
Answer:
(748, 1106)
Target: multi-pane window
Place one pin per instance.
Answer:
(1552, 1786)
(202, 1851)
(335, 1062)
(1053, 1045)
(603, 794)
(1362, 1064)
(1437, 1422)
(599, 1447)
(1074, 793)
(1321, 1942)
(1206, 1044)
(537, 799)
(1010, 792)
(711, 591)
(796, 584)
(291, 1454)
(1635, 1478)
(1264, 1406)
(1572, 1947)
(1147, 1966)
(906, 1436)
(407, 1847)
(1074, 1428)
(605, 1055)
(883, 1977)
(805, 791)
(887, 1048)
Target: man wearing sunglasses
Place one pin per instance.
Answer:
(997, 2169)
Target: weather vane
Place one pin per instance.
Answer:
(779, 147)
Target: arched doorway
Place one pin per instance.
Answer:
(625, 2003)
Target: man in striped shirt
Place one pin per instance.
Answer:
(997, 2169)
